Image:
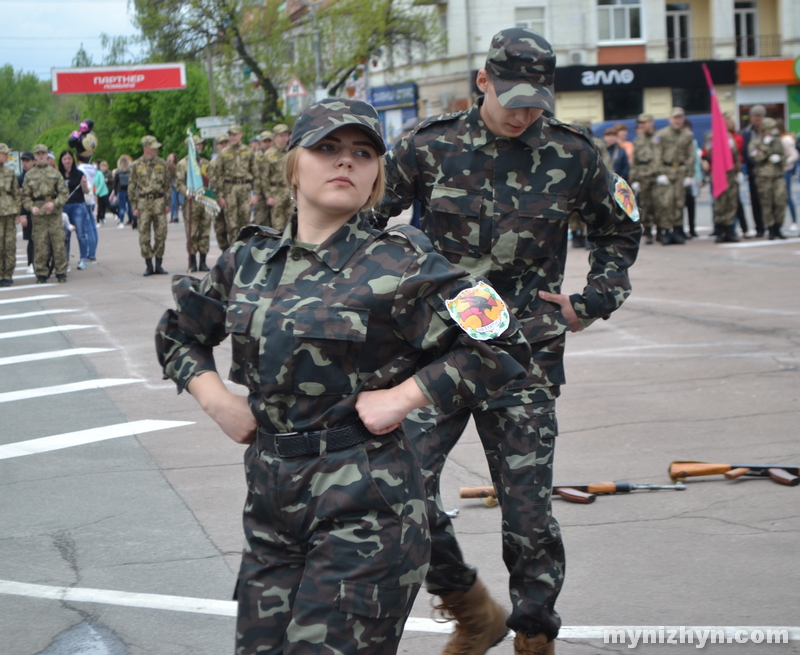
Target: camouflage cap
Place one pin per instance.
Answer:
(197, 140)
(150, 142)
(644, 117)
(40, 147)
(4, 149)
(221, 138)
(769, 123)
(281, 128)
(266, 135)
(677, 111)
(26, 155)
(323, 117)
(522, 66)
(235, 129)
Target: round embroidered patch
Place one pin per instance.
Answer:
(480, 312)
(623, 194)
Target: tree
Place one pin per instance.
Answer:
(26, 108)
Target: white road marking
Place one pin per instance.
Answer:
(50, 296)
(228, 608)
(53, 354)
(44, 312)
(759, 244)
(55, 328)
(39, 392)
(44, 285)
(83, 437)
(692, 303)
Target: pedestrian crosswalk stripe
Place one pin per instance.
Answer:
(83, 437)
(53, 354)
(44, 312)
(35, 331)
(27, 286)
(48, 296)
(40, 392)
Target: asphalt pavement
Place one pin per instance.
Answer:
(120, 501)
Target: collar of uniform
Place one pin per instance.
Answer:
(480, 135)
(337, 250)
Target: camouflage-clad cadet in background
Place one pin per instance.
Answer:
(674, 166)
(498, 183)
(725, 204)
(338, 332)
(199, 222)
(44, 193)
(220, 224)
(273, 180)
(148, 189)
(232, 181)
(766, 150)
(643, 172)
(261, 211)
(9, 214)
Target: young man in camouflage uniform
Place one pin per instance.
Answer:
(726, 203)
(220, 224)
(149, 189)
(9, 217)
(273, 182)
(198, 223)
(674, 153)
(643, 172)
(766, 151)
(261, 211)
(232, 182)
(498, 183)
(44, 193)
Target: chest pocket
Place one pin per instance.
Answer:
(542, 220)
(244, 365)
(328, 342)
(454, 222)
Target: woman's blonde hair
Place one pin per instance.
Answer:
(123, 162)
(378, 189)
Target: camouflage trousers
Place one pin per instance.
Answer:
(48, 232)
(237, 209)
(726, 204)
(646, 204)
(8, 247)
(519, 444)
(336, 550)
(773, 196)
(669, 200)
(152, 217)
(197, 226)
(221, 230)
(282, 209)
(261, 213)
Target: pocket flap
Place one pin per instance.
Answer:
(551, 206)
(237, 317)
(376, 601)
(339, 322)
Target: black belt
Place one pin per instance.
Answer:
(45, 198)
(238, 180)
(151, 196)
(674, 164)
(300, 444)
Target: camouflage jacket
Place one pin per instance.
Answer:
(644, 165)
(181, 171)
(761, 148)
(312, 326)
(44, 184)
(500, 208)
(9, 192)
(273, 173)
(236, 164)
(148, 178)
(674, 152)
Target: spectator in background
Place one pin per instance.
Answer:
(103, 182)
(122, 177)
(619, 158)
(792, 156)
(757, 115)
(26, 158)
(692, 183)
(622, 140)
(75, 206)
(90, 171)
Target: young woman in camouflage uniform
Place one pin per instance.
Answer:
(338, 331)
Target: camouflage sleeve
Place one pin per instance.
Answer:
(615, 236)
(187, 335)
(214, 176)
(62, 194)
(133, 186)
(401, 170)
(180, 176)
(27, 194)
(466, 371)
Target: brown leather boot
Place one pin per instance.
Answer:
(536, 645)
(480, 620)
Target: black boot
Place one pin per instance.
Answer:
(659, 234)
(193, 263)
(720, 233)
(648, 235)
(678, 236)
(578, 239)
(158, 269)
(203, 266)
(149, 270)
(666, 237)
(778, 233)
(730, 234)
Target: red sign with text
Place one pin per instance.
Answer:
(119, 79)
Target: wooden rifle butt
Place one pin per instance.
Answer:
(574, 495)
(783, 477)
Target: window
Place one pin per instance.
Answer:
(678, 37)
(621, 104)
(746, 28)
(694, 100)
(619, 20)
(531, 18)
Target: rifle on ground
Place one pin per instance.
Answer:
(785, 474)
(580, 492)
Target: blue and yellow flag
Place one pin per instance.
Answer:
(194, 178)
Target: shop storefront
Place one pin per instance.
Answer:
(774, 83)
(623, 91)
(395, 105)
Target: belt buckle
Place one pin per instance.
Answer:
(304, 435)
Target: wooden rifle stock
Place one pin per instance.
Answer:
(786, 474)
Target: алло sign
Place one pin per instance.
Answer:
(642, 76)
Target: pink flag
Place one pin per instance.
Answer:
(721, 155)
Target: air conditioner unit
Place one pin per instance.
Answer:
(576, 57)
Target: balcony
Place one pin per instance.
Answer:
(698, 48)
(702, 47)
(762, 45)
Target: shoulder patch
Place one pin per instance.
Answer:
(480, 312)
(415, 237)
(625, 198)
